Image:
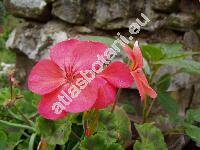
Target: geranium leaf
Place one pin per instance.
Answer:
(167, 102)
(193, 132)
(188, 66)
(54, 132)
(98, 142)
(151, 138)
(164, 82)
(116, 126)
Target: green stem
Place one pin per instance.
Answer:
(29, 122)
(75, 135)
(31, 142)
(14, 115)
(17, 125)
(144, 110)
(150, 107)
(117, 98)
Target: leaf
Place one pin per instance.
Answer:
(151, 53)
(27, 104)
(3, 140)
(98, 142)
(167, 103)
(146, 144)
(43, 145)
(107, 40)
(129, 108)
(5, 94)
(54, 132)
(164, 82)
(13, 135)
(115, 126)
(173, 50)
(193, 115)
(188, 66)
(193, 132)
(168, 46)
(151, 138)
(91, 120)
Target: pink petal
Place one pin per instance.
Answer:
(106, 94)
(138, 55)
(45, 108)
(129, 52)
(118, 74)
(142, 84)
(76, 54)
(135, 55)
(83, 102)
(62, 53)
(86, 52)
(45, 77)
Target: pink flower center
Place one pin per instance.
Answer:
(70, 74)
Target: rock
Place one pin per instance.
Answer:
(69, 11)
(34, 39)
(111, 14)
(30, 9)
(165, 5)
(4, 68)
(31, 42)
(191, 40)
(191, 6)
(181, 22)
(136, 8)
(82, 29)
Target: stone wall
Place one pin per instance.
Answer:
(47, 22)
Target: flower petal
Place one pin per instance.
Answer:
(135, 55)
(83, 102)
(45, 77)
(86, 54)
(118, 74)
(45, 108)
(143, 85)
(76, 54)
(138, 55)
(62, 53)
(106, 94)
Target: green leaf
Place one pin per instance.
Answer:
(151, 138)
(13, 135)
(193, 132)
(54, 132)
(5, 94)
(98, 142)
(129, 108)
(168, 46)
(3, 140)
(146, 144)
(115, 126)
(173, 50)
(107, 40)
(168, 103)
(151, 53)
(193, 115)
(164, 82)
(188, 66)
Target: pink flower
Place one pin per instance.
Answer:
(142, 84)
(61, 75)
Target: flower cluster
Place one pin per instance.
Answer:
(53, 76)
(67, 85)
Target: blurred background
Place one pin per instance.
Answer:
(28, 28)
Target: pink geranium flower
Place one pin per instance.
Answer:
(142, 84)
(51, 77)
